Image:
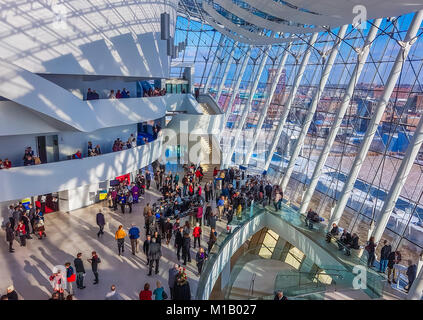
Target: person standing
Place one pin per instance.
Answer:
(220, 206)
(134, 234)
(393, 259)
(212, 239)
(148, 179)
(411, 274)
(154, 255)
(168, 229)
(159, 293)
(21, 231)
(146, 248)
(384, 254)
(207, 215)
(200, 258)
(146, 294)
(10, 236)
(120, 238)
(182, 290)
(197, 234)
(80, 271)
(173, 272)
(122, 202)
(370, 248)
(70, 277)
(130, 200)
(186, 247)
(31, 216)
(100, 222)
(95, 260)
(179, 241)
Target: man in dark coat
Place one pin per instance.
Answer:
(182, 290)
(146, 248)
(154, 255)
(268, 188)
(179, 241)
(95, 260)
(11, 293)
(173, 272)
(411, 274)
(384, 254)
(10, 236)
(80, 271)
(186, 246)
(100, 222)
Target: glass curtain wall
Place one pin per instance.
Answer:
(404, 109)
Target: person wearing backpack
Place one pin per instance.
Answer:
(70, 277)
(159, 293)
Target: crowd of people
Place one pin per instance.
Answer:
(24, 221)
(154, 93)
(192, 198)
(124, 93)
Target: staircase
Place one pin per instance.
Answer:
(205, 108)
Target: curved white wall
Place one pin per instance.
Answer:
(21, 182)
(45, 97)
(112, 37)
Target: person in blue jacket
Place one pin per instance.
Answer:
(134, 234)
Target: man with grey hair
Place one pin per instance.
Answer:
(279, 296)
(173, 272)
(154, 255)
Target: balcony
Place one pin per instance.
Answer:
(21, 182)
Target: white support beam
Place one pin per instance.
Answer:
(313, 106)
(399, 181)
(263, 113)
(237, 84)
(214, 64)
(226, 71)
(377, 116)
(361, 60)
(247, 106)
(290, 100)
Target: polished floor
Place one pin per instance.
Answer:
(29, 268)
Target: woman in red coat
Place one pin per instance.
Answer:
(146, 294)
(197, 233)
(21, 231)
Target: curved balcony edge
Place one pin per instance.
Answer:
(240, 235)
(21, 182)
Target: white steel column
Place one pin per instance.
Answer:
(290, 100)
(361, 59)
(226, 71)
(267, 104)
(247, 106)
(416, 290)
(377, 116)
(399, 181)
(213, 65)
(313, 106)
(237, 84)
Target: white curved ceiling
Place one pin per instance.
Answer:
(300, 16)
